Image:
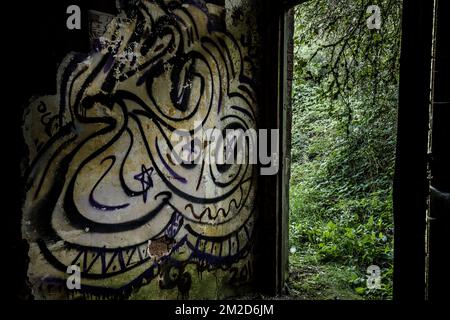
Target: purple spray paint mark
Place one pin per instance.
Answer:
(145, 178)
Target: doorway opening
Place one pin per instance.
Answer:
(342, 141)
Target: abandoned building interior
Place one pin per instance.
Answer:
(98, 195)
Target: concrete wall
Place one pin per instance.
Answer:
(102, 192)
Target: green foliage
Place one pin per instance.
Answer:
(311, 279)
(345, 88)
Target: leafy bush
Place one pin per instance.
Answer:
(343, 138)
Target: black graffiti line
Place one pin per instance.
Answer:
(64, 131)
(218, 73)
(45, 207)
(226, 184)
(218, 239)
(144, 11)
(201, 175)
(193, 22)
(245, 111)
(94, 202)
(223, 222)
(80, 220)
(236, 125)
(148, 273)
(171, 148)
(112, 125)
(166, 165)
(235, 94)
(130, 256)
(106, 266)
(58, 151)
(81, 118)
(208, 210)
(159, 69)
(48, 255)
(228, 62)
(198, 216)
(68, 72)
(161, 29)
(244, 87)
(242, 77)
(220, 261)
(171, 186)
(128, 191)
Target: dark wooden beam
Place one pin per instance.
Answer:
(410, 182)
(267, 259)
(439, 222)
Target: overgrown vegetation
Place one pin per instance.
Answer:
(344, 99)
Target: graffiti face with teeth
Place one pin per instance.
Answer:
(102, 192)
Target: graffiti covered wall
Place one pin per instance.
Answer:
(102, 192)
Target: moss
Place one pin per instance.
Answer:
(204, 285)
(313, 281)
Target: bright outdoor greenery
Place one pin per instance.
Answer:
(344, 100)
